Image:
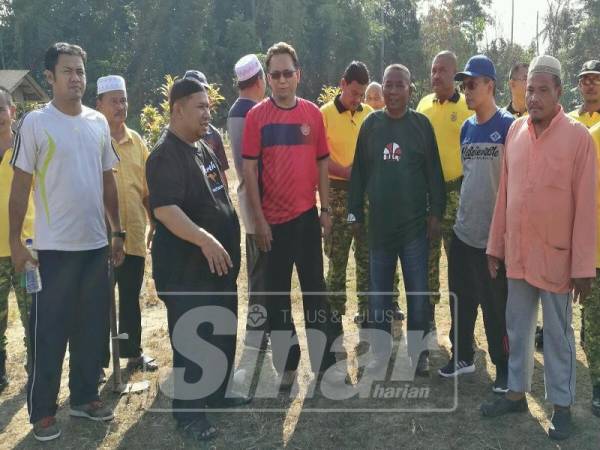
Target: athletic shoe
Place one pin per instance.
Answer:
(501, 384)
(456, 368)
(93, 410)
(46, 429)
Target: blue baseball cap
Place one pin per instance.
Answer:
(477, 66)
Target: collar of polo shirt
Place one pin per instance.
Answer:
(340, 106)
(454, 99)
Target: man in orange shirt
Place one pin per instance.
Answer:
(544, 230)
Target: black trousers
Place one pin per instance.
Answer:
(202, 320)
(73, 308)
(298, 242)
(470, 281)
(256, 262)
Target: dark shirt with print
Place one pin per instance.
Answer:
(188, 176)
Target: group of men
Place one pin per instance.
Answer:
(510, 192)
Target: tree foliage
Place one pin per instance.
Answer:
(144, 40)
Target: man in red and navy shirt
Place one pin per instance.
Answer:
(285, 162)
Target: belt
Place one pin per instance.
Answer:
(454, 185)
(339, 184)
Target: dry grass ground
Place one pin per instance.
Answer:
(135, 427)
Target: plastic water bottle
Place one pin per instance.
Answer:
(33, 280)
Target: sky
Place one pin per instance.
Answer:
(524, 28)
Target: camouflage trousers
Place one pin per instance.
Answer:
(591, 306)
(9, 279)
(435, 247)
(337, 248)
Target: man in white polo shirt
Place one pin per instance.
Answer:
(68, 148)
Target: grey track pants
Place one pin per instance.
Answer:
(559, 340)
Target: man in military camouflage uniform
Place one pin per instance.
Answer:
(8, 278)
(592, 340)
(343, 117)
(447, 109)
(591, 318)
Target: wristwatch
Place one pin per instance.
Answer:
(118, 234)
(326, 209)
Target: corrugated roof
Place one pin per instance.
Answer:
(12, 79)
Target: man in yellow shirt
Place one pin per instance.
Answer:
(589, 87)
(592, 309)
(8, 277)
(517, 82)
(446, 109)
(133, 209)
(343, 118)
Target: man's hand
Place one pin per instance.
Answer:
(218, 259)
(20, 255)
(325, 220)
(434, 228)
(117, 253)
(264, 237)
(493, 266)
(581, 289)
(150, 235)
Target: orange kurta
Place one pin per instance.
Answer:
(544, 225)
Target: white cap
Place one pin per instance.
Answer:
(247, 67)
(545, 64)
(110, 83)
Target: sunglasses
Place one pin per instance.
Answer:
(276, 75)
(469, 84)
(590, 81)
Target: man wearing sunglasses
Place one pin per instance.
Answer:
(482, 146)
(285, 162)
(589, 87)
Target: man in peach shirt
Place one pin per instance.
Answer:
(544, 230)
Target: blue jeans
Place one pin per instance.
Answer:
(382, 265)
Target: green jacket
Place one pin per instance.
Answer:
(397, 164)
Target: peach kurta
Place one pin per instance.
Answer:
(544, 225)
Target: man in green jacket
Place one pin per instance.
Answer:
(397, 165)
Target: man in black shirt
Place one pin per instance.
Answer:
(196, 260)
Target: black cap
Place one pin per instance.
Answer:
(198, 76)
(591, 67)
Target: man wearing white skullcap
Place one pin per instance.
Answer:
(544, 233)
(133, 206)
(251, 86)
